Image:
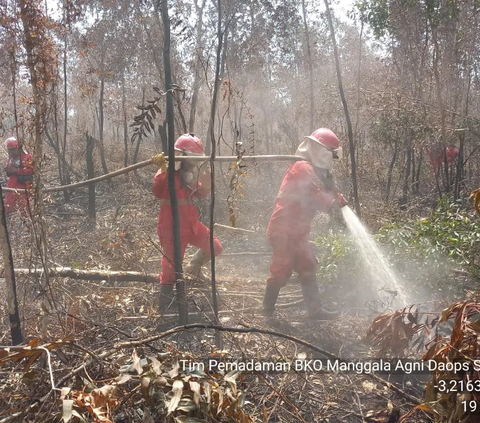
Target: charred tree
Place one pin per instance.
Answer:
(197, 80)
(11, 286)
(406, 179)
(125, 124)
(390, 171)
(92, 214)
(41, 58)
(63, 159)
(162, 132)
(416, 185)
(101, 114)
(310, 65)
(180, 284)
(211, 136)
(345, 108)
(139, 139)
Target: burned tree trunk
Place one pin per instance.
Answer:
(310, 65)
(180, 284)
(408, 168)
(139, 139)
(211, 136)
(125, 123)
(162, 131)
(390, 171)
(12, 302)
(92, 214)
(196, 81)
(101, 116)
(345, 108)
(39, 47)
(65, 168)
(417, 178)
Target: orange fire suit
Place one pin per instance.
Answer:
(192, 231)
(19, 179)
(299, 198)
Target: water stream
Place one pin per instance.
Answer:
(381, 274)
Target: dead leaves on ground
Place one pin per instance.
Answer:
(187, 396)
(400, 331)
(99, 403)
(158, 388)
(463, 347)
(32, 351)
(155, 387)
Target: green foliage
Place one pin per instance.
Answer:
(422, 252)
(428, 249)
(406, 124)
(449, 232)
(337, 256)
(437, 11)
(376, 14)
(379, 14)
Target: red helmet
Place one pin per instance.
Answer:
(325, 137)
(189, 144)
(328, 139)
(11, 143)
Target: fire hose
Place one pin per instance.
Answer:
(261, 158)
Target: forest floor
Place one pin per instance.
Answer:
(115, 371)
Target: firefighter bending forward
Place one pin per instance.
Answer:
(190, 181)
(306, 187)
(20, 176)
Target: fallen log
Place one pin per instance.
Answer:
(97, 275)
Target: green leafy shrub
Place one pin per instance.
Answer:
(448, 239)
(335, 251)
(423, 253)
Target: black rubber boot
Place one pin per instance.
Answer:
(270, 299)
(166, 298)
(313, 303)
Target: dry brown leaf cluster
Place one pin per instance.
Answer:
(461, 346)
(399, 332)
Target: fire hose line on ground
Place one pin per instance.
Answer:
(262, 158)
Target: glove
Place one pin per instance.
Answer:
(159, 160)
(340, 201)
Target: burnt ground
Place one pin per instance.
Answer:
(94, 317)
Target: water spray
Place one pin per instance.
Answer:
(382, 276)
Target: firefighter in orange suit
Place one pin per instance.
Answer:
(306, 187)
(190, 182)
(20, 176)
